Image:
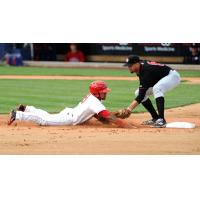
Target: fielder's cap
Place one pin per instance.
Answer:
(132, 59)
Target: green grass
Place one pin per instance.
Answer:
(54, 95)
(62, 71)
(190, 73)
(6, 70)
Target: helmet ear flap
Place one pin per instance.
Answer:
(96, 95)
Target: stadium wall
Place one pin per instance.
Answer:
(60, 64)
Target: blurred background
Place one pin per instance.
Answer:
(177, 53)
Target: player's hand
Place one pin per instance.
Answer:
(123, 113)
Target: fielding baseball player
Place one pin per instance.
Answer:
(155, 79)
(90, 106)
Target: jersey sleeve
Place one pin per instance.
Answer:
(104, 114)
(141, 95)
(142, 90)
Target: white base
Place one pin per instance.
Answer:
(180, 125)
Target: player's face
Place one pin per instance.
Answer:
(102, 95)
(73, 47)
(134, 68)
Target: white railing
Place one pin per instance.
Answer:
(97, 65)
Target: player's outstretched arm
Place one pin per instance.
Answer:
(101, 119)
(112, 119)
(119, 122)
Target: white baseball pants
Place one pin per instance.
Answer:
(167, 83)
(41, 117)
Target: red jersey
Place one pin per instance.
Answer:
(75, 57)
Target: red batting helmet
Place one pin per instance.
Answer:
(98, 86)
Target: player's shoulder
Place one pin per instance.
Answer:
(93, 98)
(154, 64)
(144, 63)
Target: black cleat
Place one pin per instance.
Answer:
(160, 123)
(12, 117)
(149, 122)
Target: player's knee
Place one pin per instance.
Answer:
(157, 92)
(42, 122)
(29, 108)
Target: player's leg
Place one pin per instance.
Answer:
(146, 102)
(66, 111)
(32, 109)
(35, 110)
(165, 84)
(41, 119)
(154, 115)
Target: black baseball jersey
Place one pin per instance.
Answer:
(150, 73)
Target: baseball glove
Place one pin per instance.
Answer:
(123, 113)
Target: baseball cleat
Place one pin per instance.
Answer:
(149, 122)
(21, 108)
(160, 123)
(12, 117)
